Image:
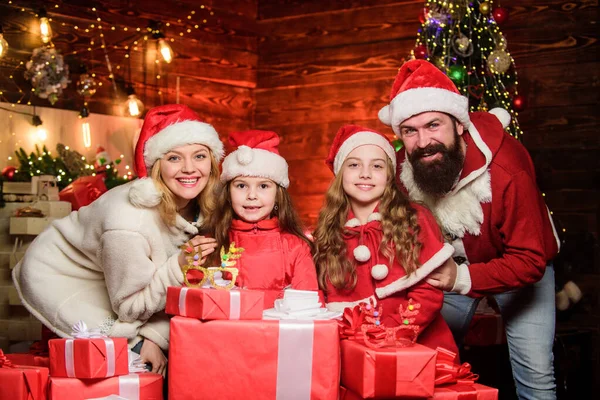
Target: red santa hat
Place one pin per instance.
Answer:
(420, 87)
(257, 155)
(170, 126)
(165, 128)
(348, 138)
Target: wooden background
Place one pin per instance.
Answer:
(304, 68)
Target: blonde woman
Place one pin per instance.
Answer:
(110, 263)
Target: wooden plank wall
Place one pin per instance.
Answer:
(326, 63)
(216, 62)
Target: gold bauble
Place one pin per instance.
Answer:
(484, 8)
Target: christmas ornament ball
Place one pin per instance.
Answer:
(498, 61)
(484, 8)
(420, 51)
(519, 102)
(9, 173)
(500, 15)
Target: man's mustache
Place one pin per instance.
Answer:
(427, 151)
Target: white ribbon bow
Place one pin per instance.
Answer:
(81, 331)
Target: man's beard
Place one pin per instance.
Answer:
(437, 177)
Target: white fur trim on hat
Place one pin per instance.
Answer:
(362, 253)
(143, 193)
(361, 139)
(502, 115)
(416, 101)
(181, 134)
(379, 271)
(261, 163)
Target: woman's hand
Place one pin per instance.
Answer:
(202, 244)
(151, 353)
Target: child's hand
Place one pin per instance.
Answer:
(202, 244)
(151, 353)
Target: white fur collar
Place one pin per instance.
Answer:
(354, 222)
(143, 193)
(458, 212)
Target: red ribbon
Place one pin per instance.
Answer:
(448, 372)
(5, 362)
(356, 325)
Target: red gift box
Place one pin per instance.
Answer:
(28, 360)
(472, 391)
(388, 371)
(18, 382)
(147, 386)
(214, 304)
(465, 391)
(254, 359)
(485, 330)
(88, 358)
(83, 191)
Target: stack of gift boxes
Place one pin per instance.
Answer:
(84, 367)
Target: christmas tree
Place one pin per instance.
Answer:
(463, 39)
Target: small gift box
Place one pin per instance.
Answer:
(18, 382)
(27, 359)
(88, 355)
(83, 191)
(214, 304)
(259, 359)
(388, 371)
(146, 386)
(465, 391)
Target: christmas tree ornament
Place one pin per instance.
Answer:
(398, 144)
(499, 61)
(9, 173)
(420, 51)
(48, 73)
(462, 45)
(457, 73)
(499, 41)
(102, 159)
(86, 86)
(519, 102)
(500, 15)
(484, 8)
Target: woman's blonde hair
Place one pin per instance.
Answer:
(286, 214)
(400, 233)
(205, 201)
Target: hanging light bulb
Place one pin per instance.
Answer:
(45, 28)
(165, 50)
(40, 132)
(85, 127)
(3, 43)
(133, 106)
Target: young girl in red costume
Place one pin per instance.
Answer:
(372, 244)
(256, 213)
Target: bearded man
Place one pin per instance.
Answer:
(480, 184)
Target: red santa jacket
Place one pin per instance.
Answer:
(495, 215)
(272, 260)
(397, 288)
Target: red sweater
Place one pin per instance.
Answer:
(396, 289)
(272, 260)
(495, 214)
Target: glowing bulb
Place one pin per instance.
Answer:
(3, 44)
(87, 134)
(42, 133)
(165, 50)
(133, 106)
(45, 30)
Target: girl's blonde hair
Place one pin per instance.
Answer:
(221, 222)
(205, 201)
(400, 233)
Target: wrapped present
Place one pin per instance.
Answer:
(83, 191)
(213, 304)
(18, 382)
(88, 355)
(465, 391)
(146, 386)
(388, 371)
(28, 359)
(485, 330)
(300, 305)
(254, 359)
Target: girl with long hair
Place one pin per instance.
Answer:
(373, 245)
(110, 263)
(256, 212)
